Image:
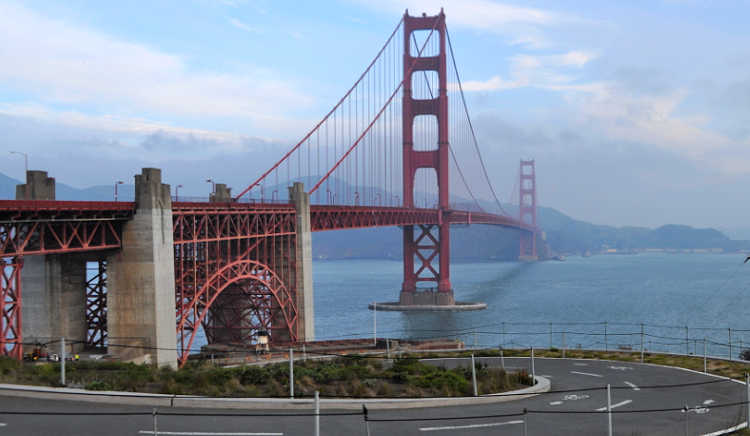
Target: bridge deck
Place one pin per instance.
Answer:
(45, 227)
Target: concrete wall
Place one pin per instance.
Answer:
(53, 286)
(427, 298)
(141, 283)
(37, 187)
(304, 281)
(221, 194)
(54, 299)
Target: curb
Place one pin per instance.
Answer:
(164, 400)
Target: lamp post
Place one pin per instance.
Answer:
(213, 185)
(119, 182)
(25, 160)
(177, 193)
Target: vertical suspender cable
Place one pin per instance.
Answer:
(470, 125)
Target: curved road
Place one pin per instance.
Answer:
(631, 391)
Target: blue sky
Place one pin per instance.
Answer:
(635, 111)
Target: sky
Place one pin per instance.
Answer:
(635, 112)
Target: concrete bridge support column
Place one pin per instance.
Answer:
(54, 286)
(141, 288)
(303, 266)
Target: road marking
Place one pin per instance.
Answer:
(547, 376)
(707, 402)
(697, 409)
(580, 364)
(576, 397)
(460, 427)
(621, 403)
(555, 403)
(620, 368)
(205, 433)
(635, 388)
(587, 373)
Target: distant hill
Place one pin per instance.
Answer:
(69, 193)
(567, 235)
(563, 233)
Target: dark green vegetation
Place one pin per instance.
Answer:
(350, 377)
(735, 370)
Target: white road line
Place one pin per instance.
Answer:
(460, 427)
(621, 403)
(205, 433)
(547, 376)
(632, 385)
(586, 373)
(555, 403)
(621, 368)
(707, 402)
(580, 364)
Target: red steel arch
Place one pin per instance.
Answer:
(194, 313)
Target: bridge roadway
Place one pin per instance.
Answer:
(50, 226)
(631, 391)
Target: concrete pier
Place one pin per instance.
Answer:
(37, 187)
(221, 194)
(304, 281)
(54, 286)
(141, 282)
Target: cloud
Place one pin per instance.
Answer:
(523, 25)
(480, 14)
(620, 114)
(62, 63)
(242, 26)
(495, 83)
(540, 71)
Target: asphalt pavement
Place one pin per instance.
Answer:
(580, 409)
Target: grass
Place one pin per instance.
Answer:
(735, 370)
(350, 377)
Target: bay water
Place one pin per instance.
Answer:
(593, 302)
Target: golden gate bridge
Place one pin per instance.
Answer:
(393, 151)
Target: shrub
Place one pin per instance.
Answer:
(98, 385)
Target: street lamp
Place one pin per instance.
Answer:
(213, 185)
(25, 160)
(177, 193)
(119, 182)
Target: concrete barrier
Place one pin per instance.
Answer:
(186, 401)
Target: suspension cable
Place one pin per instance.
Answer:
(309, 134)
(450, 147)
(471, 126)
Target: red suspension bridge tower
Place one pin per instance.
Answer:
(527, 210)
(423, 242)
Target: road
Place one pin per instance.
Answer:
(631, 390)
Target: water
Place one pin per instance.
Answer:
(708, 293)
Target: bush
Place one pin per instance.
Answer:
(98, 385)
